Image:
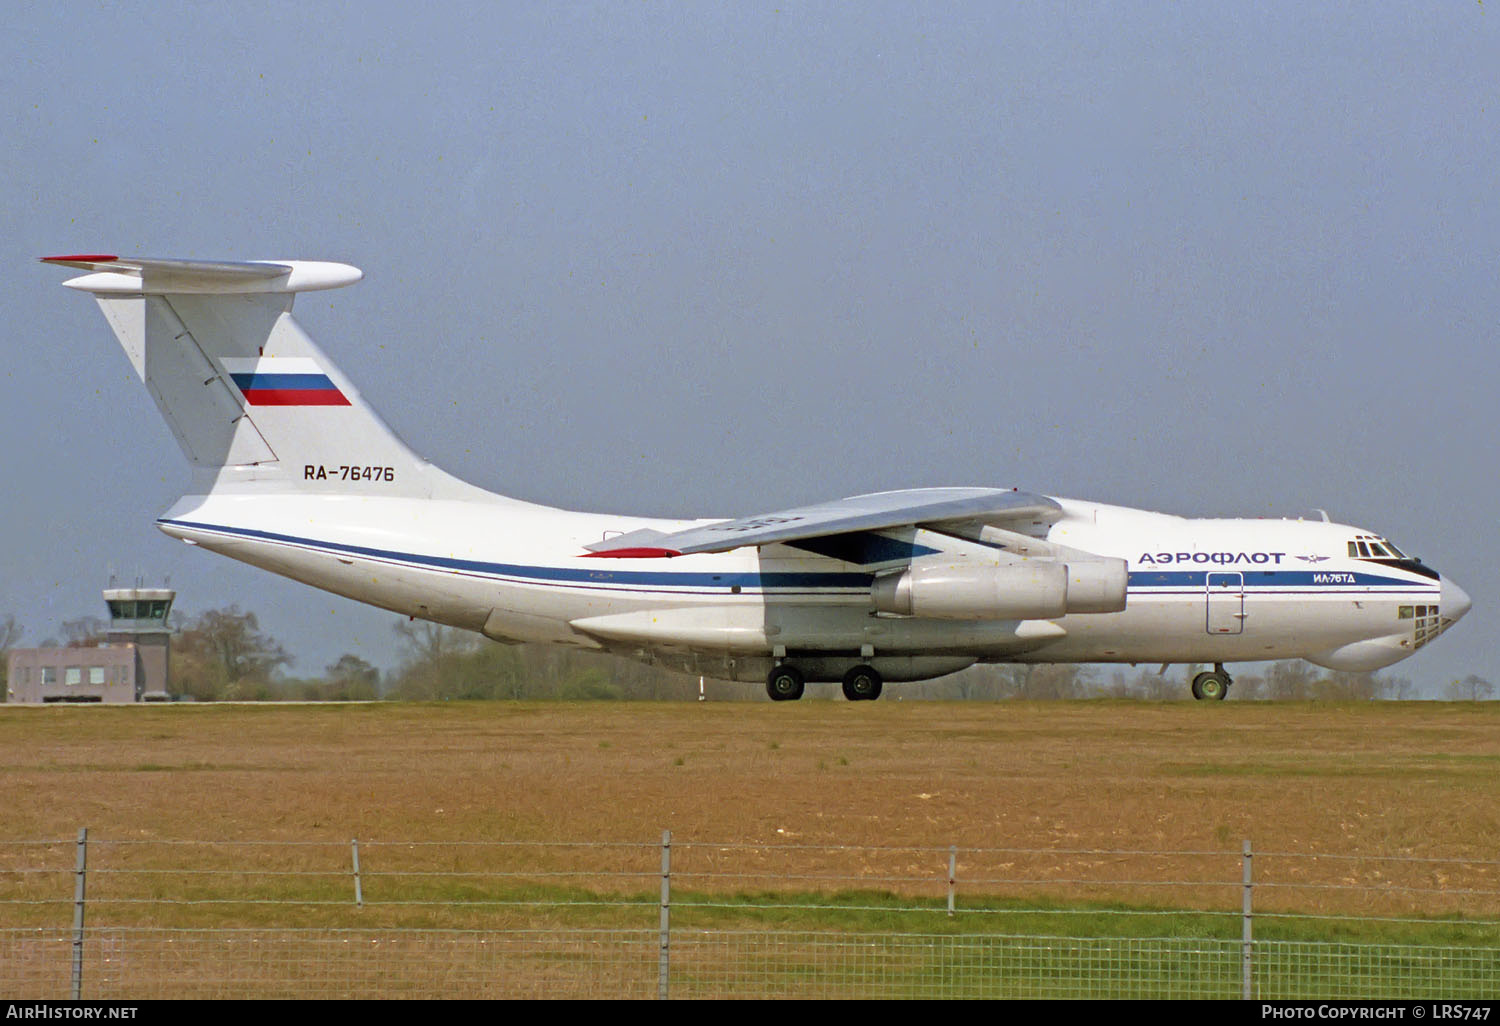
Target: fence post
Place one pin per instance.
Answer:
(663, 961)
(79, 878)
(952, 875)
(359, 891)
(1246, 943)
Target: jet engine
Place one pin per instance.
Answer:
(1032, 589)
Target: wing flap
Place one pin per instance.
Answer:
(875, 512)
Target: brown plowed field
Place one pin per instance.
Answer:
(1389, 779)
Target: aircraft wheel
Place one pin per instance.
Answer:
(1211, 685)
(785, 684)
(862, 684)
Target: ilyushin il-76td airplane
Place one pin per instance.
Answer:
(294, 473)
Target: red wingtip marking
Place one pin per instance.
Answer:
(636, 553)
(82, 258)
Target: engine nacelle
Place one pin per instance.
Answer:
(1097, 585)
(1032, 589)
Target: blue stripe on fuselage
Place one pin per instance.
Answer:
(1140, 579)
(1269, 578)
(558, 574)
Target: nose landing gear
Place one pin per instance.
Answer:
(1212, 685)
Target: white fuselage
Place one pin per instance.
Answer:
(295, 473)
(1200, 591)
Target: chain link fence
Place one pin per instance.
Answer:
(141, 919)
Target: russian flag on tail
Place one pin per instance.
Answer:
(282, 381)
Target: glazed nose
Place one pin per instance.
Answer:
(1455, 601)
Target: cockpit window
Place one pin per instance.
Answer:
(1368, 546)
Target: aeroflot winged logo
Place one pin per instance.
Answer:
(282, 381)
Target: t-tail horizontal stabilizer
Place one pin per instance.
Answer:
(251, 399)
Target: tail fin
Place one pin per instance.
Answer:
(253, 402)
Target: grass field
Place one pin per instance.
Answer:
(1409, 779)
(1099, 848)
(1399, 778)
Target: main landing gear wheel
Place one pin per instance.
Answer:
(1213, 684)
(785, 684)
(862, 684)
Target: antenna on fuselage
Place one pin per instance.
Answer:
(1322, 513)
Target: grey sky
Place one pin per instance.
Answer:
(710, 259)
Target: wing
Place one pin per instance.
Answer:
(924, 507)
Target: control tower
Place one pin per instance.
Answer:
(129, 665)
(138, 616)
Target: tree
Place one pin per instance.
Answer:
(10, 633)
(430, 669)
(428, 642)
(443, 664)
(1045, 680)
(223, 654)
(1059, 680)
(351, 679)
(1344, 685)
(84, 632)
(1400, 688)
(1146, 684)
(1291, 679)
(1472, 688)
